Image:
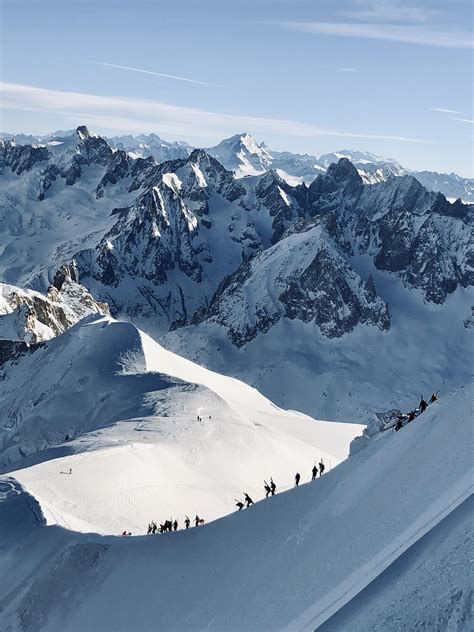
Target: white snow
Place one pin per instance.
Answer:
(284, 196)
(280, 564)
(140, 452)
(172, 181)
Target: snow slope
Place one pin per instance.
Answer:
(121, 411)
(438, 559)
(265, 568)
(349, 378)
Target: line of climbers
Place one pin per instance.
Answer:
(172, 525)
(406, 418)
(270, 488)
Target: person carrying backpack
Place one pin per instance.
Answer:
(297, 479)
(423, 405)
(314, 472)
(248, 500)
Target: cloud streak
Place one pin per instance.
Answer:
(463, 120)
(407, 34)
(444, 110)
(136, 115)
(156, 74)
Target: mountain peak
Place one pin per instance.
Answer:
(343, 169)
(83, 132)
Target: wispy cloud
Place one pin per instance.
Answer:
(347, 69)
(463, 120)
(389, 11)
(157, 74)
(409, 34)
(136, 115)
(445, 110)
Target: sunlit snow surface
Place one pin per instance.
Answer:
(140, 453)
(285, 563)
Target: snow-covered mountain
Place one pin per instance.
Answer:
(341, 289)
(144, 146)
(245, 156)
(186, 244)
(113, 398)
(380, 541)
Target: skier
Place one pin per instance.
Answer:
(239, 504)
(267, 488)
(248, 500)
(321, 467)
(423, 405)
(434, 397)
(314, 472)
(297, 479)
(187, 522)
(197, 521)
(272, 486)
(175, 525)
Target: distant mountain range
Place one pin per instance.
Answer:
(266, 278)
(243, 155)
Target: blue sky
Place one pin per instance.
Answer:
(389, 76)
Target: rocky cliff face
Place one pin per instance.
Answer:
(406, 229)
(302, 277)
(30, 317)
(168, 251)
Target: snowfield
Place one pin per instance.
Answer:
(128, 411)
(288, 563)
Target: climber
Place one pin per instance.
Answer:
(187, 522)
(239, 504)
(153, 527)
(314, 472)
(175, 525)
(197, 521)
(399, 424)
(422, 405)
(297, 479)
(411, 416)
(322, 467)
(434, 397)
(267, 488)
(149, 529)
(272, 486)
(248, 500)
